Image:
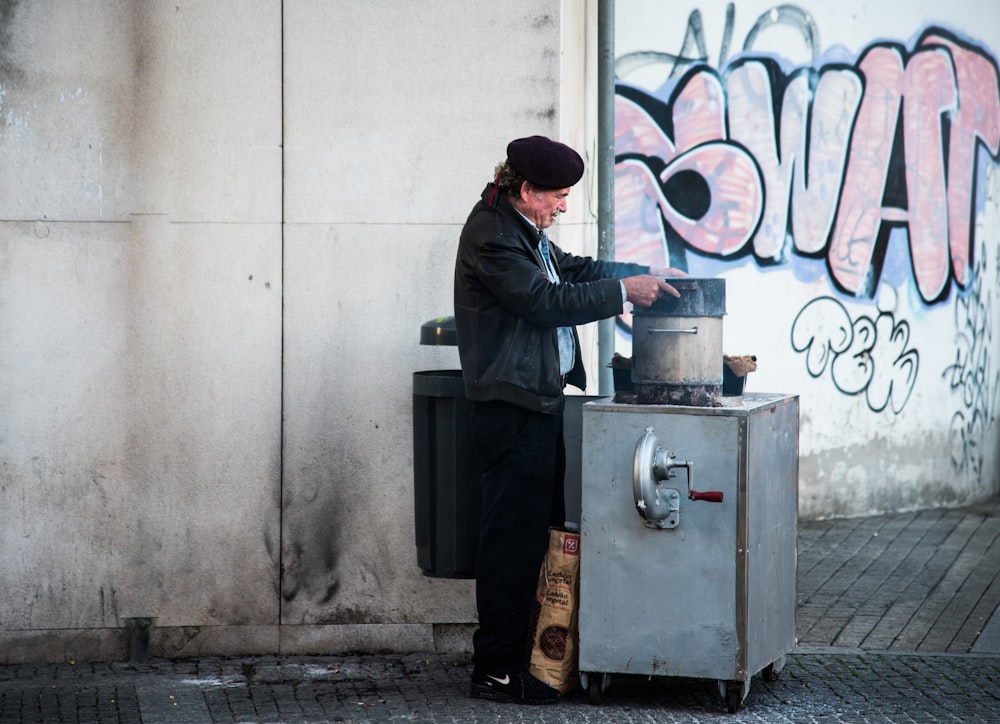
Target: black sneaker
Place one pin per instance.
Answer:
(518, 688)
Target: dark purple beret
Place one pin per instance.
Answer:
(547, 164)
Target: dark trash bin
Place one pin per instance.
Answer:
(446, 472)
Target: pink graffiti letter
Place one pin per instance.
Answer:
(859, 217)
(977, 119)
(928, 91)
(820, 174)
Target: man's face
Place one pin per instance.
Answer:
(542, 207)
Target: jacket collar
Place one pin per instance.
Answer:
(494, 199)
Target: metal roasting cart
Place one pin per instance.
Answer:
(688, 525)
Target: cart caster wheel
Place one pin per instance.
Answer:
(733, 693)
(594, 695)
(596, 685)
(773, 670)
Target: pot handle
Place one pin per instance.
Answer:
(693, 330)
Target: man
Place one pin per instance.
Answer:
(517, 299)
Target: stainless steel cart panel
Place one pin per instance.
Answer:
(709, 591)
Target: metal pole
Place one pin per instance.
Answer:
(605, 175)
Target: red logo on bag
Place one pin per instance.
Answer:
(571, 545)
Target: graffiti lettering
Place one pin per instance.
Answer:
(823, 162)
(787, 15)
(694, 36)
(694, 48)
(863, 355)
(971, 377)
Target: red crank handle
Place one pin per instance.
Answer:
(710, 496)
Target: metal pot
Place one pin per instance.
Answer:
(677, 345)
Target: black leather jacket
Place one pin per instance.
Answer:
(507, 311)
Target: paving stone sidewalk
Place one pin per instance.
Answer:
(827, 687)
(926, 581)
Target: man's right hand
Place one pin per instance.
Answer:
(643, 290)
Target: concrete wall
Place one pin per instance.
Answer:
(223, 225)
(221, 228)
(140, 308)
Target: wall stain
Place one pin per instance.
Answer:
(8, 69)
(311, 555)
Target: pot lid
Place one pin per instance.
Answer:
(699, 298)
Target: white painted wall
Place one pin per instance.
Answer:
(223, 225)
(907, 417)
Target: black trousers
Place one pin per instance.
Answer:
(524, 461)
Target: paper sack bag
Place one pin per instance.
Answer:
(553, 650)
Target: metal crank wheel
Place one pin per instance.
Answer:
(733, 693)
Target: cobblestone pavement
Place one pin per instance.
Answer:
(923, 581)
(897, 618)
(848, 686)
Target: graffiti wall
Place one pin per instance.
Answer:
(847, 189)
